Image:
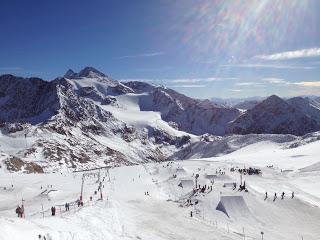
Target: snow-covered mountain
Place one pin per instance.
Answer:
(245, 105)
(275, 115)
(87, 119)
(188, 114)
(83, 121)
(234, 102)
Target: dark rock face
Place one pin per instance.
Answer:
(15, 164)
(27, 99)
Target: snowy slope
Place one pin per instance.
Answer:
(274, 115)
(127, 213)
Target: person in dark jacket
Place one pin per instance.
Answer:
(19, 211)
(53, 211)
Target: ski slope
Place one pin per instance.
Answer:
(127, 212)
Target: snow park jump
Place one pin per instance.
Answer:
(233, 206)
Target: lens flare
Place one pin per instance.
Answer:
(242, 28)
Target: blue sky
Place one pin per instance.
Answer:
(201, 48)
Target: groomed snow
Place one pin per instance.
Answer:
(127, 213)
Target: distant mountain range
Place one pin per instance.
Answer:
(88, 119)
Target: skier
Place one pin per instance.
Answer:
(292, 195)
(282, 195)
(275, 197)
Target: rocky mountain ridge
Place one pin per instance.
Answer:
(87, 119)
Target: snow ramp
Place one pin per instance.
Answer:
(186, 183)
(233, 206)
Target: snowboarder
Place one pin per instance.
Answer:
(292, 195)
(282, 195)
(275, 197)
(266, 196)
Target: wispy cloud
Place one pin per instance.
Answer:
(195, 80)
(182, 80)
(273, 80)
(302, 53)
(249, 84)
(143, 55)
(308, 84)
(188, 86)
(234, 90)
(258, 65)
(281, 81)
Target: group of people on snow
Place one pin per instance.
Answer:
(67, 206)
(204, 188)
(53, 211)
(275, 196)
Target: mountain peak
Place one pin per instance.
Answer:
(70, 73)
(87, 72)
(90, 72)
(273, 99)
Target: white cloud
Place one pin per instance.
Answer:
(258, 65)
(194, 80)
(182, 80)
(248, 84)
(234, 90)
(143, 55)
(273, 80)
(302, 53)
(188, 86)
(308, 84)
